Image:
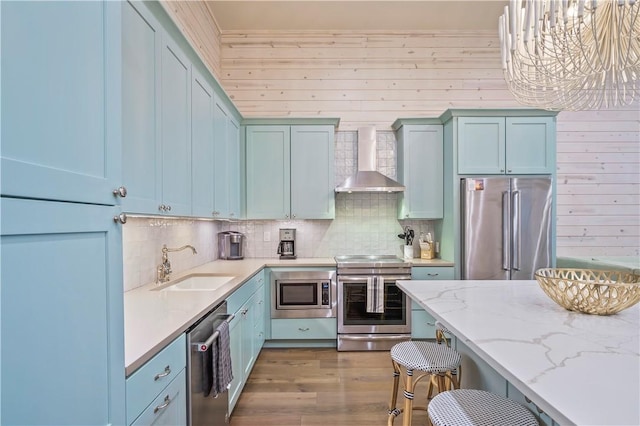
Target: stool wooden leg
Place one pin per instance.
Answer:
(393, 411)
(408, 399)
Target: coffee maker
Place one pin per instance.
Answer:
(287, 245)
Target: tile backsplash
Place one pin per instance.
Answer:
(365, 223)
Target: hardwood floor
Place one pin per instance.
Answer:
(311, 387)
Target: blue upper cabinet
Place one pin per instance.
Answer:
(176, 129)
(290, 172)
(141, 165)
(227, 162)
(420, 169)
(202, 147)
(268, 172)
(530, 145)
(156, 114)
(481, 145)
(312, 172)
(61, 100)
(506, 145)
(62, 314)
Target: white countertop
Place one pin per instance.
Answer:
(152, 319)
(581, 369)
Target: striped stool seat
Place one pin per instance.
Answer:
(435, 361)
(471, 407)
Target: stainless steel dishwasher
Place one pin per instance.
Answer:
(202, 407)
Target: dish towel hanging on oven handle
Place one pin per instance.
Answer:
(375, 295)
(221, 360)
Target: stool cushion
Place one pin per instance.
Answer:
(425, 356)
(471, 407)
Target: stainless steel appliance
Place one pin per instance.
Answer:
(303, 294)
(202, 407)
(287, 245)
(506, 227)
(358, 327)
(231, 245)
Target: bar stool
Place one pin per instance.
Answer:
(472, 407)
(442, 336)
(433, 360)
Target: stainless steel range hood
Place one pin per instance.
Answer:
(367, 179)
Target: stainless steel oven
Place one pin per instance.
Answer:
(359, 327)
(303, 294)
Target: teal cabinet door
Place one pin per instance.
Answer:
(227, 191)
(176, 129)
(141, 153)
(420, 169)
(202, 147)
(268, 172)
(233, 139)
(312, 172)
(530, 145)
(61, 97)
(481, 145)
(61, 314)
(236, 346)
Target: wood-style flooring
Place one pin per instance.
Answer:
(311, 387)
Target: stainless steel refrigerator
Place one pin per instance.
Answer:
(506, 227)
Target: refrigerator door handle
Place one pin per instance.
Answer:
(506, 218)
(517, 235)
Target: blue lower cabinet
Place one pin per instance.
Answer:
(170, 407)
(61, 314)
(303, 329)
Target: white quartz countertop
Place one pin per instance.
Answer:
(581, 369)
(152, 319)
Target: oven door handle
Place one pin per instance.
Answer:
(364, 277)
(370, 337)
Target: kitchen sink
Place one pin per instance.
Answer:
(196, 282)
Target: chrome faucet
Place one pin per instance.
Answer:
(163, 272)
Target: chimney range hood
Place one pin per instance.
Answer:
(367, 179)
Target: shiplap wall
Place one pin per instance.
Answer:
(374, 78)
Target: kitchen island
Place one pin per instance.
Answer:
(580, 369)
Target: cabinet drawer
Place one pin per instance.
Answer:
(170, 407)
(423, 325)
(432, 273)
(146, 383)
(242, 294)
(300, 329)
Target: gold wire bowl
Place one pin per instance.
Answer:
(590, 291)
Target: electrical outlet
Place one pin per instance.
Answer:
(266, 236)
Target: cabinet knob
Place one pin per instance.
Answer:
(286, 216)
(293, 216)
(162, 208)
(509, 171)
(232, 214)
(122, 218)
(168, 207)
(120, 192)
(215, 213)
(501, 170)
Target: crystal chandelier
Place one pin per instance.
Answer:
(572, 54)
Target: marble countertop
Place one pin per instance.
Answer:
(581, 369)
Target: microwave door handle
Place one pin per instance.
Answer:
(364, 278)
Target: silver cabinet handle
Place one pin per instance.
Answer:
(506, 215)
(516, 244)
(120, 192)
(432, 275)
(167, 401)
(303, 329)
(167, 371)
(122, 218)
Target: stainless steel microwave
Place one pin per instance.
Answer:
(303, 294)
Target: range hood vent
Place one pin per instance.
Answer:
(367, 179)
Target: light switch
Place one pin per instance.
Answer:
(266, 236)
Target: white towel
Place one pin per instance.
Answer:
(375, 295)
